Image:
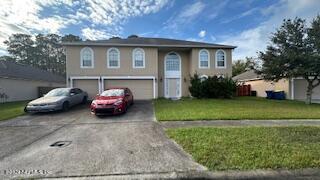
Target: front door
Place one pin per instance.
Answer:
(173, 87)
(172, 75)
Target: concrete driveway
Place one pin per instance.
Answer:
(131, 145)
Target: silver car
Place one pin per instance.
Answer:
(57, 99)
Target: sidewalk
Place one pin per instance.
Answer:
(218, 123)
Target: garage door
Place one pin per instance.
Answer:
(91, 86)
(141, 89)
(300, 88)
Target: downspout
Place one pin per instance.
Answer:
(292, 88)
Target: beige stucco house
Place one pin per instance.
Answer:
(20, 82)
(295, 88)
(150, 67)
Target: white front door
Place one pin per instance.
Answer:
(172, 67)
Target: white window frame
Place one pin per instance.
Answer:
(143, 58)
(199, 59)
(81, 58)
(108, 64)
(221, 76)
(225, 60)
(203, 77)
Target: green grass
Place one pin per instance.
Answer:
(237, 108)
(11, 109)
(249, 148)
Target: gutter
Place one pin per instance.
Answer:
(144, 45)
(253, 79)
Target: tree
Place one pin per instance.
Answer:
(294, 52)
(241, 66)
(21, 47)
(50, 53)
(70, 38)
(7, 58)
(45, 52)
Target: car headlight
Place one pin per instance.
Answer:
(94, 103)
(118, 102)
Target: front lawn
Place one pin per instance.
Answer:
(237, 108)
(11, 109)
(250, 148)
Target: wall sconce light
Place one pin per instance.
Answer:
(160, 79)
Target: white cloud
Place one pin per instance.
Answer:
(242, 15)
(215, 10)
(187, 14)
(114, 12)
(213, 38)
(93, 34)
(256, 39)
(202, 34)
(24, 16)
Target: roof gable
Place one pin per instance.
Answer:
(246, 76)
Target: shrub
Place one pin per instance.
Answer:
(195, 86)
(212, 87)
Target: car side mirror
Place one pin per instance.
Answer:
(127, 94)
(72, 94)
(44, 95)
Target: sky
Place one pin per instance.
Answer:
(247, 24)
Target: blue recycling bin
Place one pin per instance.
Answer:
(279, 95)
(269, 94)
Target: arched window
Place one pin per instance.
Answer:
(138, 58)
(204, 58)
(113, 58)
(220, 59)
(203, 77)
(172, 62)
(86, 58)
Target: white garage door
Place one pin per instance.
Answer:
(91, 86)
(300, 89)
(141, 89)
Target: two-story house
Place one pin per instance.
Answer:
(150, 67)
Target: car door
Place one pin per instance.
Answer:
(72, 97)
(78, 96)
(129, 96)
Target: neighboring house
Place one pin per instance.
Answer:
(294, 89)
(150, 67)
(20, 82)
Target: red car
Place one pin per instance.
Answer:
(112, 101)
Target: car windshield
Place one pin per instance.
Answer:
(57, 92)
(113, 92)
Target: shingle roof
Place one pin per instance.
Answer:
(148, 42)
(14, 70)
(248, 75)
